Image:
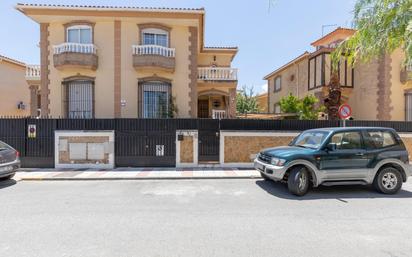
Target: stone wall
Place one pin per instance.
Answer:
(89, 142)
(408, 144)
(84, 149)
(186, 150)
(242, 147)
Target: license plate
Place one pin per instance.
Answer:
(259, 166)
(7, 168)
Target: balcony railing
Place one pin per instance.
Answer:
(219, 114)
(75, 48)
(225, 74)
(33, 72)
(154, 50)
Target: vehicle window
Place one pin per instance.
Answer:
(380, 139)
(311, 139)
(3, 146)
(347, 140)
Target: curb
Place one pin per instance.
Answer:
(138, 178)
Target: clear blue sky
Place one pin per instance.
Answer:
(267, 37)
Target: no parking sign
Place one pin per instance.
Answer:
(345, 111)
(31, 131)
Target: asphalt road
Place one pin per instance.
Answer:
(200, 218)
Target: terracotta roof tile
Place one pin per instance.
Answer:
(5, 58)
(221, 47)
(109, 7)
(339, 29)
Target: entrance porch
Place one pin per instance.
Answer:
(216, 104)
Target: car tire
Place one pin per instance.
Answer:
(298, 181)
(265, 177)
(7, 177)
(388, 181)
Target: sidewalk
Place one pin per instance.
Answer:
(136, 174)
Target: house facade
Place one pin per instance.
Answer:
(130, 62)
(15, 94)
(262, 102)
(378, 90)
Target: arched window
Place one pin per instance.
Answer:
(154, 99)
(155, 36)
(81, 34)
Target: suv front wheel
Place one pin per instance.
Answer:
(388, 181)
(298, 181)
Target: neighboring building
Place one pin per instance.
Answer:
(262, 101)
(130, 62)
(379, 90)
(15, 93)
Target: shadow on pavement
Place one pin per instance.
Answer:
(7, 183)
(335, 192)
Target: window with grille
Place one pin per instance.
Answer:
(155, 37)
(79, 99)
(155, 100)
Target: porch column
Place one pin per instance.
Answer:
(34, 89)
(232, 103)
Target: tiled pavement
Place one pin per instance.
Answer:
(135, 174)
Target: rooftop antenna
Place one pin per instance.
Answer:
(326, 26)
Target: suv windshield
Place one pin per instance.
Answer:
(310, 139)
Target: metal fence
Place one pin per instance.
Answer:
(136, 139)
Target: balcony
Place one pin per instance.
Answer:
(154, 57)
(217, 74)
(33, 72)
(219, 114)
(75, 55)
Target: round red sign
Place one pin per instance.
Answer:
(345, 111)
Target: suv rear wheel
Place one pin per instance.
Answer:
(298, 181)
(388, 181)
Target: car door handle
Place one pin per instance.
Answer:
(360, 154)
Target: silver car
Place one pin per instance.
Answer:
(9, 161)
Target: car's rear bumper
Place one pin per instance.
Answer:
(7, 169)
(273, 172)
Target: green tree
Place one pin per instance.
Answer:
(305, 109)
(246, 101)
(382, 26)
(289, 104)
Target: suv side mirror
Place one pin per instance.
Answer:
(331, 147)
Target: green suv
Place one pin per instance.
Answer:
(338, 156)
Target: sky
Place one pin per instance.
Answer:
(269, 33)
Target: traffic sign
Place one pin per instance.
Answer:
(31, 131)
(345, 111)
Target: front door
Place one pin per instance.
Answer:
(209, 141)
(203, 108)
(348, 161)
